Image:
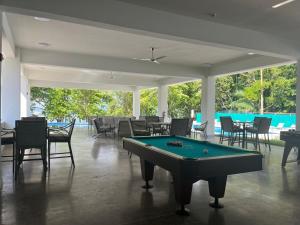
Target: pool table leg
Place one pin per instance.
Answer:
(147, 173)
(217, 186)
(183, 192)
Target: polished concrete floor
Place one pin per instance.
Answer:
(105, 188)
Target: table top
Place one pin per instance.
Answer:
(191, 148)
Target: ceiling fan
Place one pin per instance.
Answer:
(152, 59)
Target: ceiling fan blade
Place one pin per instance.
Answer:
(141, 59)
(161, 57)
(155, 61)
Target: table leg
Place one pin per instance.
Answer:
(244, 135)
(183, 193)
(147, 172)
(217, 186)
(286, 152)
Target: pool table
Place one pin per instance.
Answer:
(193, 161)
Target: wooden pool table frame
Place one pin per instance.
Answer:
(185, 171)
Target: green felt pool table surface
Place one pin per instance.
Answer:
(191, 148)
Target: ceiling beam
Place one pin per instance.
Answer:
(88, 86)
(247, 63)
(8, 39)
(93, 62)
(141, 20)
(77, 77)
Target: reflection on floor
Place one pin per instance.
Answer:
(105, 188)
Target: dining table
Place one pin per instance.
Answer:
(243, 125)
(163, 125)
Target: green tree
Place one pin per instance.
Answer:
(87, 103)
(149, 101)
(120, 104)
(58, 105)
(183, 98)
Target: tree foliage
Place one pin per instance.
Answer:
(182, 98)
(240, 92)
(149, 101)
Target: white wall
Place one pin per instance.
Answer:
(10, 91)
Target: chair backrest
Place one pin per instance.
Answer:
(124, 128)
(33, 118)
(31, 134)
(138, 125)
(179, 126)
(226, 123)
(264, 125)
(189, 127)
(98, 123)
(257, 120)
(71, 127)
(150, 119)
(202, 126)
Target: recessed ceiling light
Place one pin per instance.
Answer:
(282, 3)
(251, 53)
(44, 44)
(41, 19)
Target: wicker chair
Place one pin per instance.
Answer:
(30, 134)
(201, 129)
(139, 128)
(261, 126)
(124, 128)
(8, 138)
(233, 131)
(179, 127)
(61, 134)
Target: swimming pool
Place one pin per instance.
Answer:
(278, 120)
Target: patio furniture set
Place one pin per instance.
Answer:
(244, 132)
(33, 133)
(144, 126)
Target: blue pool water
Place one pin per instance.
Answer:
(287, 120)
(60, 124)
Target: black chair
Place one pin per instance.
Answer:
(261, 126)
(179, 127)
(124, 128)
(233, 131)
(101, 128)
(189, 127)
(139, 128)
(150, 120)
(201, 129)
(30, 134)
(33, 118)
(62, 135)
(8, 138)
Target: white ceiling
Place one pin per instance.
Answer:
(252, 14)
(75, 38)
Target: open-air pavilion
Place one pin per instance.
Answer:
(98, 44)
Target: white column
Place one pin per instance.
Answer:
(136, 103)
(24, 95)
(208, 103)
(11, 90)
(298, 95)
(163, 101)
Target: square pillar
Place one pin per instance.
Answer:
(11, 91)
(298, 95)
(208, 103)
(163, 101)
(136, 103)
